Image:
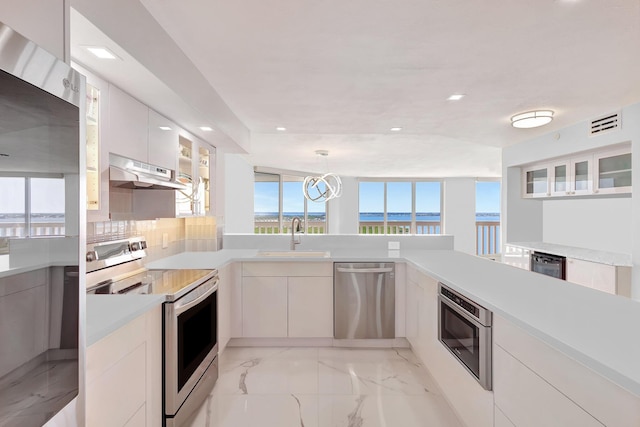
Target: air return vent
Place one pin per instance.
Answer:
(605, 124)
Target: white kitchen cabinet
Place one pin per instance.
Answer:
(500, 419)
(127, 133)
(162, 140)
(528, 400)
(603, 171)
(310, 307)
(124, 375)
(411, 313)
(194, 169)
(287, 299)
(264, 307)
(97, 120)
(535, 384)
(473, 404)
(517, 257)
(535, 181)
(225, 290)
(571, 177)
(603, 277)
(612, 171)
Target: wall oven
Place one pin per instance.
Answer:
(548, 264)
(464, 328)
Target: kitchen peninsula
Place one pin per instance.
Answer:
(582, 358)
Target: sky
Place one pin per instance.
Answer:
(47, 195)
(372, 197)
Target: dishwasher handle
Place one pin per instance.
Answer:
(365, 270)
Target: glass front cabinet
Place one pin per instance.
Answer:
(613, 172)
(602, 172)
(536, 181)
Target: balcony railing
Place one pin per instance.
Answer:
(487, 237)
(398, 227)
(272, 227)
(18, 229)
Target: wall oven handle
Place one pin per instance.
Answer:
(364, 270)
(461, 312)
(196, 296)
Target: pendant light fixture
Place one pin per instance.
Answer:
(322, 188)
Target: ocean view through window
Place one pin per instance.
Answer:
(400, 207)
(278, 199)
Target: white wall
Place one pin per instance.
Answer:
(238, 188)
(344, 211)
(598, 224)
(459, 210)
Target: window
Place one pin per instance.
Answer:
(487, 217)
(278, 199)
(400, 207)
(31, 207)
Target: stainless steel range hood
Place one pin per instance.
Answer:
(129, 173)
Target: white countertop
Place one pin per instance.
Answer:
(107, 313)
(602, 257)
(592, 327)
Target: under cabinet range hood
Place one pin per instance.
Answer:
(129, 173)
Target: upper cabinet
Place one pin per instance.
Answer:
(128, 130)
(163, 134)
(613, 172)
(606, 171)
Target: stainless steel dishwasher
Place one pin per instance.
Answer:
(364, 300)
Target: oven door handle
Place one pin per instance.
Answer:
(196, 296)
(461, 312)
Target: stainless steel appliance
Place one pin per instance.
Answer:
(548, 264)
(129, 173)
(364, 300)
(190, 330)
(464, 328)
(41, 141)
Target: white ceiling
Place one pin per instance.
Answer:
(339, 74)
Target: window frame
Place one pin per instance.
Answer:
(413, 181)
(281, 225)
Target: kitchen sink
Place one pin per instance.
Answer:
(295, 254)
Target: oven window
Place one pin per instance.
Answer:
(196, 337)
(462, 338)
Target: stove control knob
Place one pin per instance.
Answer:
(135, 246)
(91, 256)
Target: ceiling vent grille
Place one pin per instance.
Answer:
(606, 124)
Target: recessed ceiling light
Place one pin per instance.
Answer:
(164, 127)
(395, 129)
(281, 129)
(532, 119)
(101, 52)
(206, 128)
(456, 97)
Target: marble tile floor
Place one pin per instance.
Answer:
(323, 387)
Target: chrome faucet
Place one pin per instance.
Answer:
(296, 224)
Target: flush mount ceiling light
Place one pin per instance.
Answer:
(101, 52)
(206, 128)
(532, 119)
(456, 97)
(322, 188)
